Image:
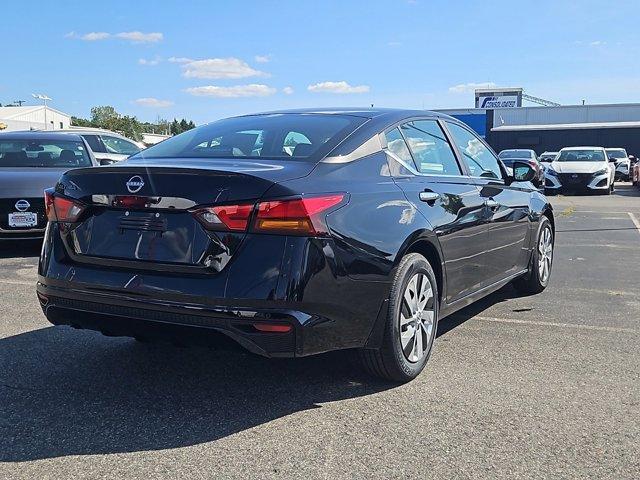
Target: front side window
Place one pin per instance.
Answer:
(431, 150)
(119, 145)
(480, 161)
(94, 143)
(43, 153)
(277, 136)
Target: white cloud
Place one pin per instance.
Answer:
(470, 87)
(287, 90)
(337, 87)
(140, 37)
(394, 44)
(135, 37)
(219, 68)
(251, 90)
(89, 37)
(263, 58)
(151, 62)
(152, 102)
(179, 60)
(598, 43)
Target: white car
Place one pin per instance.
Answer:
(107, 146)
(622, 163)
(580, 169)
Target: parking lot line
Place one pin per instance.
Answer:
(635, 221)
(556, 324)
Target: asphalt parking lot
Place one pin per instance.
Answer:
(546, 386)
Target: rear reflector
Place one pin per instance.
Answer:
(300, 216)
(225, 217)
(272, 328)
(60, 209)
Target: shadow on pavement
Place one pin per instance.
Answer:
(20, 248)
(65, 392)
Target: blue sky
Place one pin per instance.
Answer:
(205, 60)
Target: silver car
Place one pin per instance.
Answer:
(108, 147)
(30, 162)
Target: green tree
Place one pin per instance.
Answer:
(175, 127)
(184, 125)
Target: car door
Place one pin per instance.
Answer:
(431, 178)
(506, 205)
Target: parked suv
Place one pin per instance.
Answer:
(586, 169)
(296, 233)
(622, 163)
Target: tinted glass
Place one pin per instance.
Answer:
(278, 136)
(581, 156)
(43, 153)
(119, 145)
(94, 143)
(397, 146)
(478, 158)
(431, 150)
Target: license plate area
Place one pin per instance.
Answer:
(23, 220)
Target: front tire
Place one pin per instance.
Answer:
(411, 323)
(537, 279)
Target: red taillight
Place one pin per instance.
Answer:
(60, 209)
(272, 327)
(225, 217)
(301, 216)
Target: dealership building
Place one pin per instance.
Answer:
(502, 120)
(37, 117)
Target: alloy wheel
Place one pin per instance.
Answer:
(417, 318)
(545, 251)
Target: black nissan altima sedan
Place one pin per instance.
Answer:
(295, 233)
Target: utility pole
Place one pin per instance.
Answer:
(44, 99)
(19, 102)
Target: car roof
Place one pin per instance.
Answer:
(38, 135)
(357, 112)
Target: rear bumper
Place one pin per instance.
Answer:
(295, 281)
(24, 234)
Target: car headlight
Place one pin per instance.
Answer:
(601, 172)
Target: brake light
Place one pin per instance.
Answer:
(301, 216)
(60, 209)
(272, 327)
(225, 217)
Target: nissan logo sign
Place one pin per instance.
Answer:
(135, 184)
(22, 205)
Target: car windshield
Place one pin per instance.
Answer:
(277, 136)
(581, 156)
(515, 154)
(43, 153)
(616, 153)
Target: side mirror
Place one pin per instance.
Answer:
(612, 160)
(522, 172)
(106, 161)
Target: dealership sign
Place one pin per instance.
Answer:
(495, 101)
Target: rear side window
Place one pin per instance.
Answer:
(478, 158)
(397, 146)
(431, 150)
(94, 143)
(278, 136)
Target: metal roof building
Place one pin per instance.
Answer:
(36, 117)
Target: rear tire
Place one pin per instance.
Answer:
(411, 323)
(537, 279)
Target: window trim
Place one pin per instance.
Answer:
(461, 157)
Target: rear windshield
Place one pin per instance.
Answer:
(616, 153)
(43, 153)
(515, 154)
(277, 136)
(581, 156)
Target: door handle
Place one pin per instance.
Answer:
(429, 196)
(491, 203)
